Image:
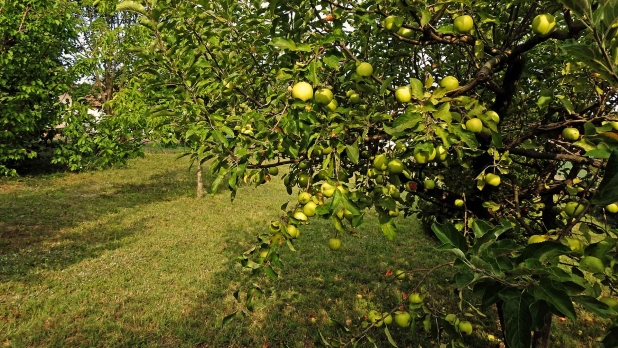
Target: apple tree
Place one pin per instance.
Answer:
(496, 118)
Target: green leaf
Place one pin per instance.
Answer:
(229, 317)
(579, 7)
(553, 293)
(592, 57)
(270, 272)
(389, 337)
(517, 317)
(131, 6)
(282, 43)
(417, 88)
(607, 192)
(352, 152)
(448, 234)
(593, 305)
(444, 113)
(388, 226)
(331, 61)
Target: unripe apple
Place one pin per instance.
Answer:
(415, 298)
(293, 231)
(309, 209)
(327, 189)
(395, 166)
(400, 274)
(449, 83)
(380, 162)
(570, 134)
(543, 24)
(459, 203)
(334, 244)
(354, 98)
(300, 216)
(403, 94)
(402, 319)
(388, 319)
(465, 327)
(302, 91)
(364, 69)
(405, 32)
(463, 24)
(394, 213)
(574, 208)
(474, 125)
(592, 264)
(304, 197)
(442, 153)
(429, 184)
(612, 208)
(492, 179)
(323, 96)
(392, 23)
(274, 171)
(332, 106)
(423, 156)
(614, 125)
(274, 227)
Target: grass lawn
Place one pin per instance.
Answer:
(128, 257)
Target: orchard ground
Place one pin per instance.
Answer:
(128, 257)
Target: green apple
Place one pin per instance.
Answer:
(570, 134)
(304, 197)
(463, 24)
(394, 213)
(309, 209)
(380, 162)
(334, 244)
(402, 319)
(423, 156)
(405, 32)
(323, 96)
(400, 147)
(395, 166)
(274, 171)
(543, 24)
(574, 208)
(415, 298)
(442, 153)
(400, 274)
(474, 125)
(393, 191)
(274, 227)
(300, 216)
(302, 91)
(592, 264)
(388, 319)
(332, 106)
(293, 231)
(492, 179)
(465, 327)
(537, 238)
(612, 208)
(327, 189)
(403, 94)
(354, 98)
(614, 125)
(392, 23)
(429, 184)
(449, 83)
(459, 203)
(493, 116)
(364, 69)
(303, 180)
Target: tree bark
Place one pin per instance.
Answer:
(200, 182)
(541, 337)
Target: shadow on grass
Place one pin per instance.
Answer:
(315, 285)
(56, 226)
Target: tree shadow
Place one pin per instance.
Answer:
(55, 227)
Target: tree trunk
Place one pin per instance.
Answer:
(541, 337)
(200, 182)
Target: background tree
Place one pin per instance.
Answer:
(497, 119)
(36, 39)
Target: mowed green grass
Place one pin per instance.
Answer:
(129, 257)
